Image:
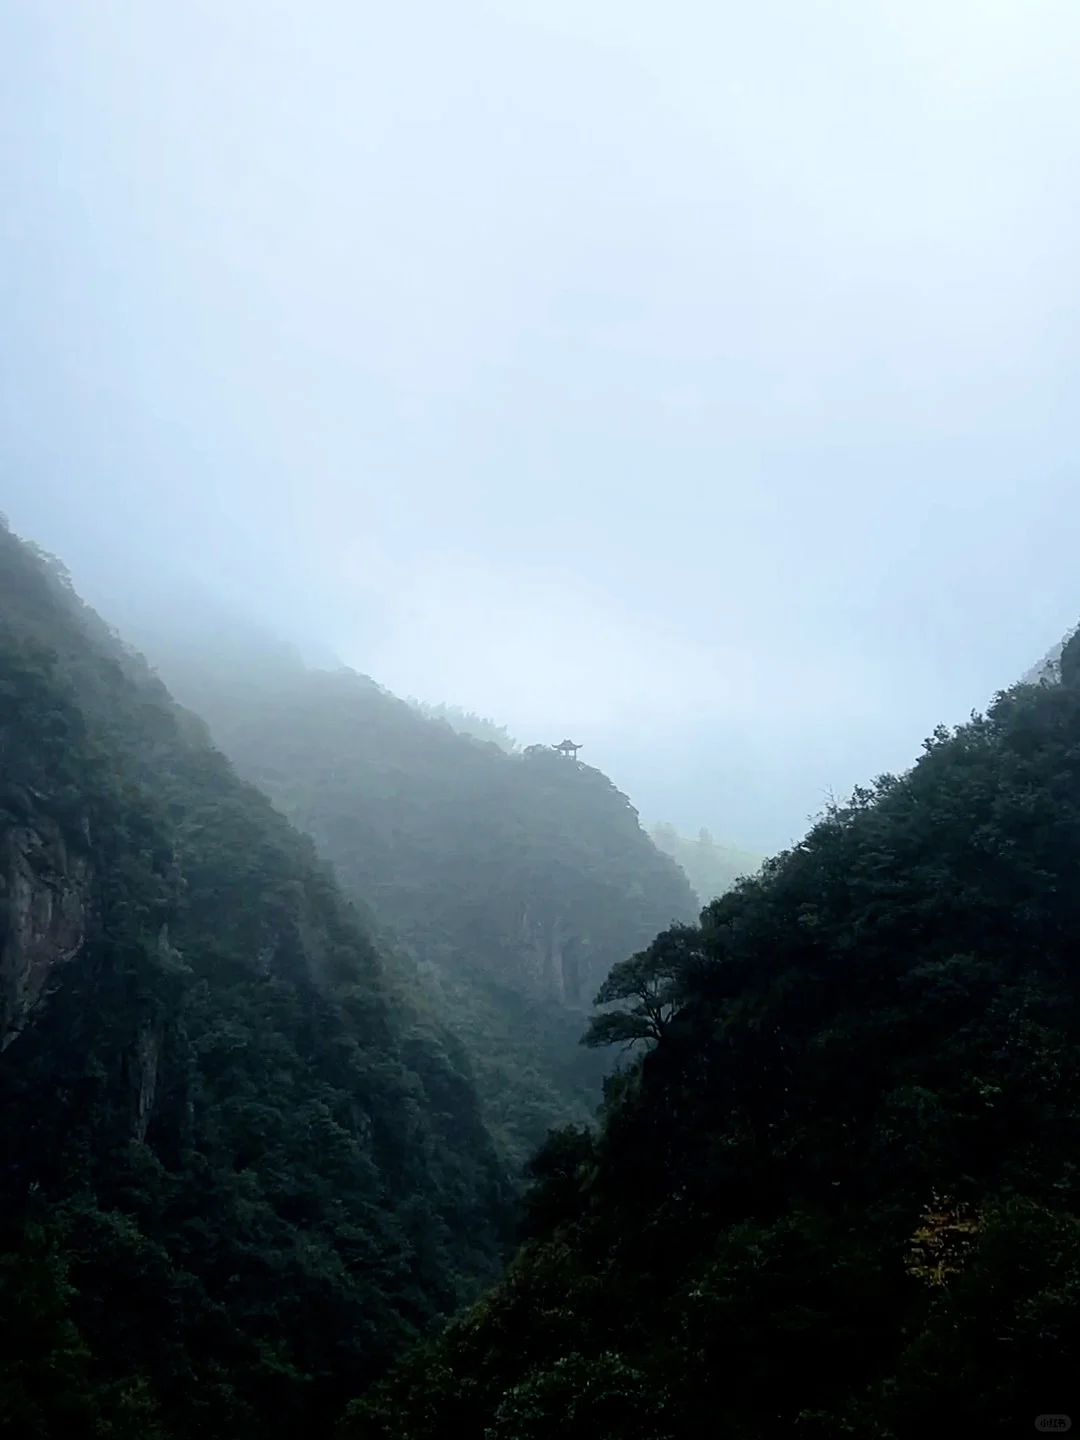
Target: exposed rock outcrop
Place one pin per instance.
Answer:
(44, 911)
(146, 1068)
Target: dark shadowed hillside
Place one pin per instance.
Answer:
(838, 1192)
(513, 880)
(239, 1169)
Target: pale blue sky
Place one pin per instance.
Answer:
(698, 378)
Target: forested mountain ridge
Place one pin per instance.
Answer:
(238, 1168)
(839, 1192)
(515, 880)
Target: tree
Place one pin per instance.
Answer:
(653, 981)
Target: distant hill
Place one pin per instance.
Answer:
(465, 722)
(710, 867)
(514, 880)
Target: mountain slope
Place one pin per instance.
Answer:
(238, 1167)
(515, 880)
(839, 1194)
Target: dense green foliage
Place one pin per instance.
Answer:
(711, 868)
(239, 1170)
(838, 1190)
(514, 881)
(244, 1169)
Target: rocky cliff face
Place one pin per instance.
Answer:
(44, 909)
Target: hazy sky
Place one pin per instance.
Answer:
(696, 378)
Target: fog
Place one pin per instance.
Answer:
(697, 380)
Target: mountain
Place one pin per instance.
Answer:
(837, 1193)
(513, 879)
(711, 868)
(241, 1164)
